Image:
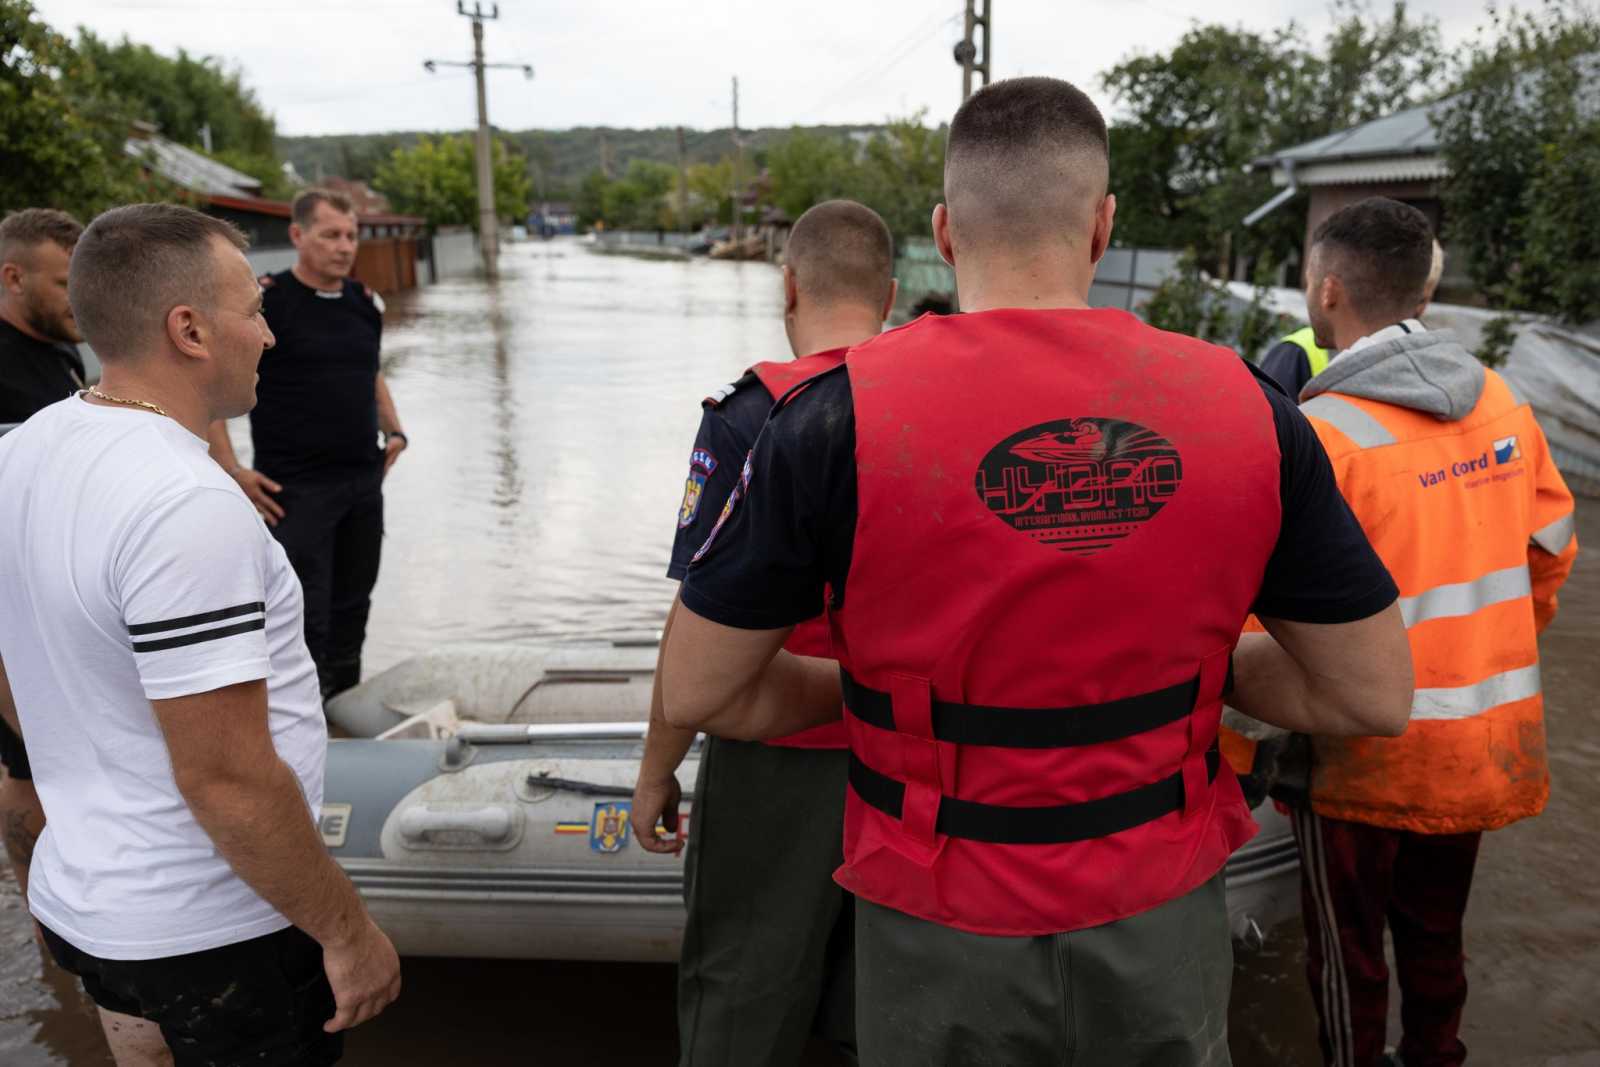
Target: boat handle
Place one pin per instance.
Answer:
(493, 823)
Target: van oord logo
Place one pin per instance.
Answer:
(1079, 485)
(1475, 471)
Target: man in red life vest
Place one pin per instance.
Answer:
(1033, 645)
(767, 948)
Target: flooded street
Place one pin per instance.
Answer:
(550, 419)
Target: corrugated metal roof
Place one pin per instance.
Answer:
(1405, 133)
(1358, 171)
(190, 169)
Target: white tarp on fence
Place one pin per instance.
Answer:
(1554, 368)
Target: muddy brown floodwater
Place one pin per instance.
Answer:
(551, 417)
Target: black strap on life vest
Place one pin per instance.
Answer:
(1087, 724)
(1001, 825)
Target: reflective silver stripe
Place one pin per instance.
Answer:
(1349, 420)
(1557, 536)
(1469, 700)
(1464, 598)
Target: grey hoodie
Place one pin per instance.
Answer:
(1427, 371)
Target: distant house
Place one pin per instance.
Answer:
(1397, 156)
(553, 217)
(390, 243)
(367, 200)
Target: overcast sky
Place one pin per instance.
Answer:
(341, 66)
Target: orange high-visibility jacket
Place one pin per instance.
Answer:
(1451, 478)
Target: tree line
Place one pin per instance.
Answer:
(1517, 112)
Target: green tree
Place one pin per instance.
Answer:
(640, 199)
(436, 178)
(902, 174)
(181, 94)
(807, 168)
(1197, 116)
(1522, 140)
(590, 202)
(1190, 302)
(61, 134)
(710, 186)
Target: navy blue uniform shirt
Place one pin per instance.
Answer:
(316, 413)
(729, 425)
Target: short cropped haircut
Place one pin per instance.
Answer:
(135, 264)
(1382, 251)
(841, 251)
(304, 206)
(1028, 160)
(23, 231)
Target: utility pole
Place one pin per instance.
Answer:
(738, 168)
(488, 222)
(967, 51)
(683, 182)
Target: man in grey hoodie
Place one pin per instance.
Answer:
(1451, 478)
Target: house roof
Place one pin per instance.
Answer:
(1405, 133)
(188, 168)
(1403, 146)
(255, 205)
(281, 209)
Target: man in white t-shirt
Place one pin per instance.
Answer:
(151, 636)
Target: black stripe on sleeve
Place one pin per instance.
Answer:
(138, 629)
(197, 638)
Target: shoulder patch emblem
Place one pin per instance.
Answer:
(739, 489)
(701, 466)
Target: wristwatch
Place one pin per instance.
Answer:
(396, 433)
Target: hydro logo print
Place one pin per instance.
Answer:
(1079, 485)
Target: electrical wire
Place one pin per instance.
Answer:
(874, 72)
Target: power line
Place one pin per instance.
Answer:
(875, 72)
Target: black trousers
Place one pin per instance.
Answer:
(260, 1002)
(332, 532)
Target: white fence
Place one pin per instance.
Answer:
(271, 260)
(456, 253)
(1127, 276)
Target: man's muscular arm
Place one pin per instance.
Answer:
(740, 683)
(250, 804)
(657, 794)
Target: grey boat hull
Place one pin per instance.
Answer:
(473, 816)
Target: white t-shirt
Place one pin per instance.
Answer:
(132, 568)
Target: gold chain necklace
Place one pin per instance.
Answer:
(98, 395)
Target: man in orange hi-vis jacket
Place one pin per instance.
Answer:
(1451, 478)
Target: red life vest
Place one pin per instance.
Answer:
(1064, 517)
(810, 638)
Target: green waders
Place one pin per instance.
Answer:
(1146, 991)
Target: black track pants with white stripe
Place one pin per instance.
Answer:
(1355, 880)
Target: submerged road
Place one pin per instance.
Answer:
(551, 417)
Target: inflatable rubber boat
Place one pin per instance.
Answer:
(481, 806)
